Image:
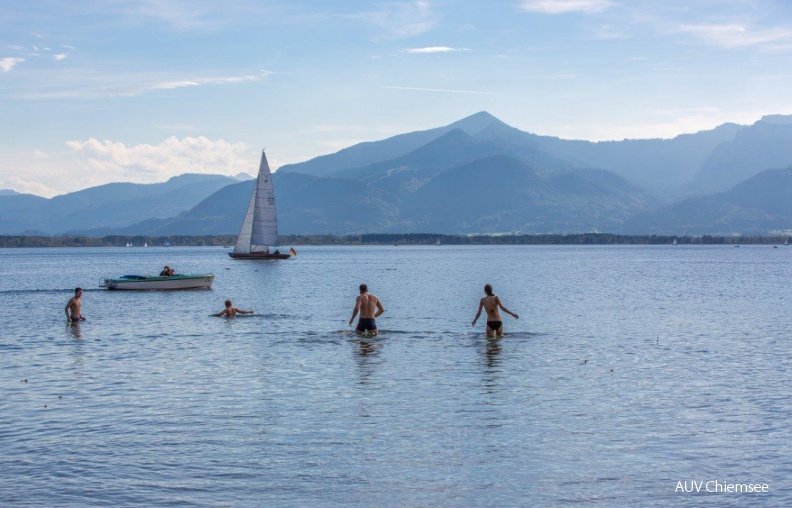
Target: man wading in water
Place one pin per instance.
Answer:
(75, 306)
(492, 303)
(366, 303)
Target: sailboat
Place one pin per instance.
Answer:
(260, 228)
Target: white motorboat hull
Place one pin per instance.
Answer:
(138, 282)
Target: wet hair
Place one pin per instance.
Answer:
(228, 303)
(76, 290)
(363, 288)
(488, 289)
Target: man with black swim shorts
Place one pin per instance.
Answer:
(492, 303)
(75, 306)
(366, 303)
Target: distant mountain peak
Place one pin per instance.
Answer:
(242, 177)
(475, 123)
(777, 119)
(8, 192)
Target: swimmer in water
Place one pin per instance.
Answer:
(492, 303)
(231, 311)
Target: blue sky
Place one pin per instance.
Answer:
(96, 91)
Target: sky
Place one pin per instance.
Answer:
(99, 91)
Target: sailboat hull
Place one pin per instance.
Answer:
(257, 255)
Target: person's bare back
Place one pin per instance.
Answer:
(369, 307)
(491, 303)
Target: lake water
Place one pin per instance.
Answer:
(630, 369)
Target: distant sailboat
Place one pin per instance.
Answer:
(786, 242)
(260, 228)
(438, 242)
(145, 244)
(674, 242)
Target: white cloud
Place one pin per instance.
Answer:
(59, 57)
(145, 163)
(434, 49)
(6, 64)
(735, 35)
(565, 6)
(170, 85)
(25, 186)
(40, 154)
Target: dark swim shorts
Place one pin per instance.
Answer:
(494, 325)
(366, 325)
(77, 319)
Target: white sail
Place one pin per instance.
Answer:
(246, 233)
(260, 227)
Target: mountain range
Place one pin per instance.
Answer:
(105, 207)
(476, 175)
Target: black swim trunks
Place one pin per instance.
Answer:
(366, 325)
(494, 325)
(77, 319)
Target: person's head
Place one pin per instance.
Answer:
(78, 292)
(167, 267)
(488, 289)
(363, 289)
(228, 303)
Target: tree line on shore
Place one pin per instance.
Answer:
(387, 239)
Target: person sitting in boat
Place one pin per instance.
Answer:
(277, 251)
(231, 311)
(167, 271)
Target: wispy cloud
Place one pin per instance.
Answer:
(171, 85)
(684, 111)
(736, 35)
(59, 57)
(40, 154)
(565, 6)
(179, 14)
(399, 20)
(433, 49)
(177, 127)
(174, 156)
(608, 32)
(6, 64)
(99, 85)
(445, 90)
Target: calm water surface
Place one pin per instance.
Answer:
(630, 369)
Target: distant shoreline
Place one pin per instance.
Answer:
(20, 241)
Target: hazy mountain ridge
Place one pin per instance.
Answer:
(106, 206)
(759, 205)
(764, 145)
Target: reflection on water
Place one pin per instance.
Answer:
(367, 358)
(493, 352)
(74, 330)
